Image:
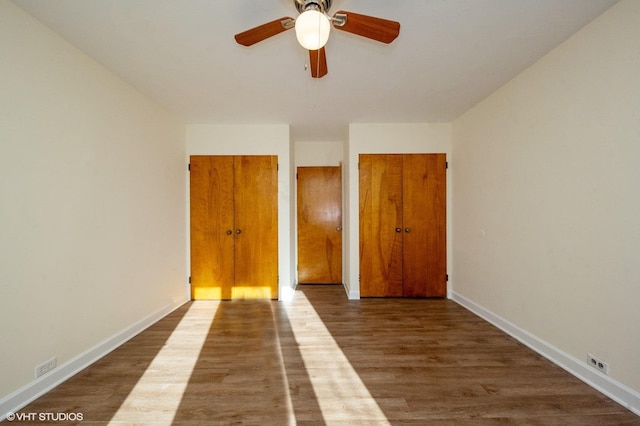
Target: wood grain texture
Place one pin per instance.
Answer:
(318, 63)
(256, 218)
(264, 31)
(403, 248)
(319, 203)
(378, 29)
(425, 232)
(315, 360)
(234, 227)
(380, 216)
(212, 216)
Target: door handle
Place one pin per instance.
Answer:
(398, 230)
(238, 231)
(407, 230)
(339, 228)
(229, 232)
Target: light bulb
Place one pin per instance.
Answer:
(312, 29)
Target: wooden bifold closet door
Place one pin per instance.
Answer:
(403, 225)
(234, 227)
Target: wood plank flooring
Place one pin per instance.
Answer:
(322, 359)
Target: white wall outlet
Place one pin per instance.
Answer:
(46, 366)
(598, 364)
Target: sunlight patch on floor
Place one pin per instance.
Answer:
(251, 292)
(341, 394)
(291, 419)
(178, 356)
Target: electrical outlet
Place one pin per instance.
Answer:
(46, 366)
(598, 364)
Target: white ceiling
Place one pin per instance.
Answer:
(450, 55)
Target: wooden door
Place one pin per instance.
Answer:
(403, 225)
(234, 227)
(424, 216)
(256, 227)
(319, 225)
(212, 225)
(380, 225)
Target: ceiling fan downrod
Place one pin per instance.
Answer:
(322, 6)
(319, 5)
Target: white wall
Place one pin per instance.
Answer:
(547, 199)
(379, 139)
(318, 154)
(269, 139)
(91, 207)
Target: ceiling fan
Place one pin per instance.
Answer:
(312, 30)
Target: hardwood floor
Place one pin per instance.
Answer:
(323, 359)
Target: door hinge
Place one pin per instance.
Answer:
(447, 277)
(189, 280)
(296, 176)
(446, 165)
(189, 166)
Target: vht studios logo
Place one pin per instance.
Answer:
(45, 417)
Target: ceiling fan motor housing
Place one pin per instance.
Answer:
(319, 5)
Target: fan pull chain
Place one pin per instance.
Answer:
(313, 93)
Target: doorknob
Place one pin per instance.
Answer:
(238, 231)
(229, 232)
(339, 228)
(398, 230)
(407, 230)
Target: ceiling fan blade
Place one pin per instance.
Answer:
(264, 31)
(318, 63)
(367, 26)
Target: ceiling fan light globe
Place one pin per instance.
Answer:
(312, 29)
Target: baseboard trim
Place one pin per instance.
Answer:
(352, 295)
(286, 293)
(31, 391)
(615, 390)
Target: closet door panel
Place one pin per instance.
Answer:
(380, 220)
(424, 245)
(437, 216)
(256, 227)
(211, 217)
